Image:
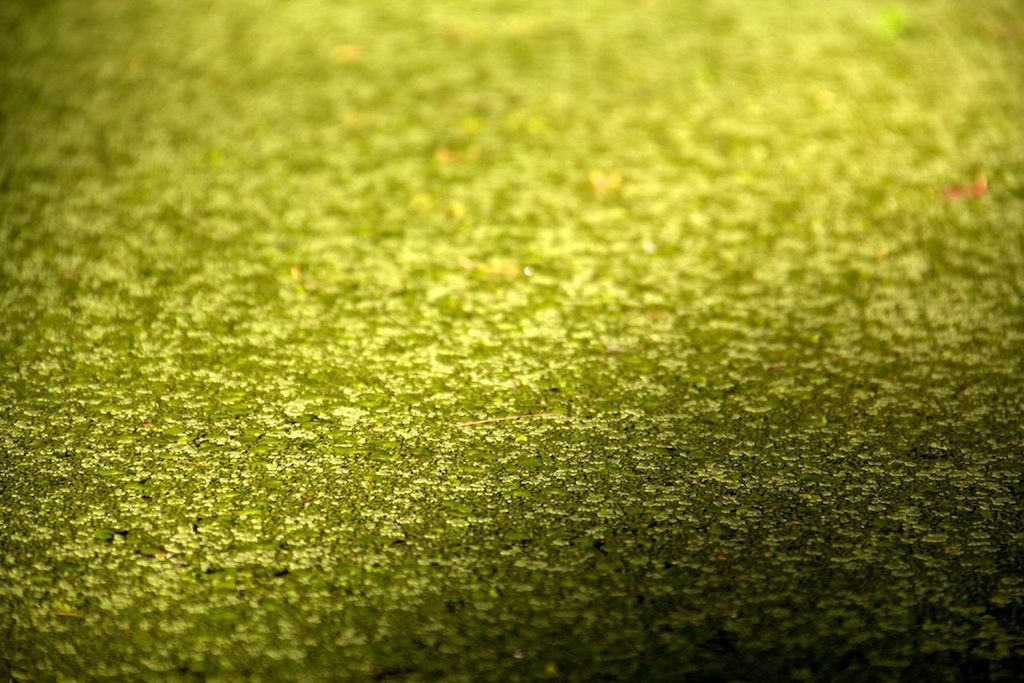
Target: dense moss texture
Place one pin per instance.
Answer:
(262, 261)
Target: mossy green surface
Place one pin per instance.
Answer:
(274, 274)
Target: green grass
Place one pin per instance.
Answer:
(261, 263)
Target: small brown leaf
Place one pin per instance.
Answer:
(976, 190)
(447, 157)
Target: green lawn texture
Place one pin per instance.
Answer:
(505, 340)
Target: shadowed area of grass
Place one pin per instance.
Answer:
(497, 341)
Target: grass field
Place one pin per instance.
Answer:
(652, 340)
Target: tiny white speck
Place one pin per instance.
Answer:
(528, 271)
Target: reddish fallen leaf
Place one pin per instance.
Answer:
(973, 191)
